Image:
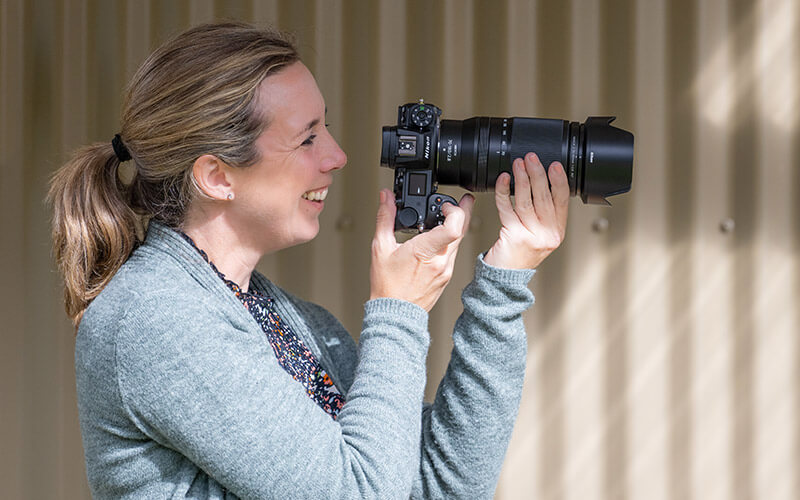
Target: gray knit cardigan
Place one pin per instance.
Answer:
(181, 396)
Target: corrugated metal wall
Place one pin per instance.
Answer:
(664, 351)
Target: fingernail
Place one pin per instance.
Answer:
(382, 196)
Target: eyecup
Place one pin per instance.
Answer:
(388, 144)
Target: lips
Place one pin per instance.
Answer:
(316, 195)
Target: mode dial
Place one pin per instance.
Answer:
(422, 115)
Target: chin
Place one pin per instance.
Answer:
(307, 234)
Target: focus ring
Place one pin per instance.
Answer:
(483, 142)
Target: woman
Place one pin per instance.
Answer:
(199, 378)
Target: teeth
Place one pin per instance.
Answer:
(316, 195)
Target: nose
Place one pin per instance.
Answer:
(335, 158)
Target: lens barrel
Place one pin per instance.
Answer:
(597, 157)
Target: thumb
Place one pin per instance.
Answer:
(437, 240)
(384, 225)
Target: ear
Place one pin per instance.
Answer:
(212, 177)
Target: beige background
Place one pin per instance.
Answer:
(664, 354)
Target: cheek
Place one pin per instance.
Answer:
(280, 190)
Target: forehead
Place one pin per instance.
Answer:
(291, 99)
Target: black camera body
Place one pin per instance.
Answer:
(426, 151)
(415, 139)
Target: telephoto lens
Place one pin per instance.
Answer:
(597, 157)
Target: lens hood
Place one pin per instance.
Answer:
(608, 160)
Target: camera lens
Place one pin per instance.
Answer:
(597, 157)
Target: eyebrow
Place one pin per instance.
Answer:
(313, 123)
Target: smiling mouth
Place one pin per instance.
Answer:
(318, 195)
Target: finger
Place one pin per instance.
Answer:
(384, 225)
(455, 217)
(436, 241)
(452, 252)
(502, 198)
(560, 189)
(523, 202)
(542, 199)
(467, 203)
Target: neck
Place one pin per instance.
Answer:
(232, 256)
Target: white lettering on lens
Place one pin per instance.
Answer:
(591, 157)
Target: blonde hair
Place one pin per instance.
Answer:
(194, 95)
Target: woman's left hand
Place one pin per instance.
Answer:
(535, 224)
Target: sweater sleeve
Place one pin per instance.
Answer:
(465, 432)
(215, 394)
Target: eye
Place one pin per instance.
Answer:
(310, 140)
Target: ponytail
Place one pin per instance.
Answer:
(195, 95)
(93, 227)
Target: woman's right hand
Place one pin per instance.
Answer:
(419, 269)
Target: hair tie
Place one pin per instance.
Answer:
(119, 149)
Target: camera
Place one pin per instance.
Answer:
(426, 151)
